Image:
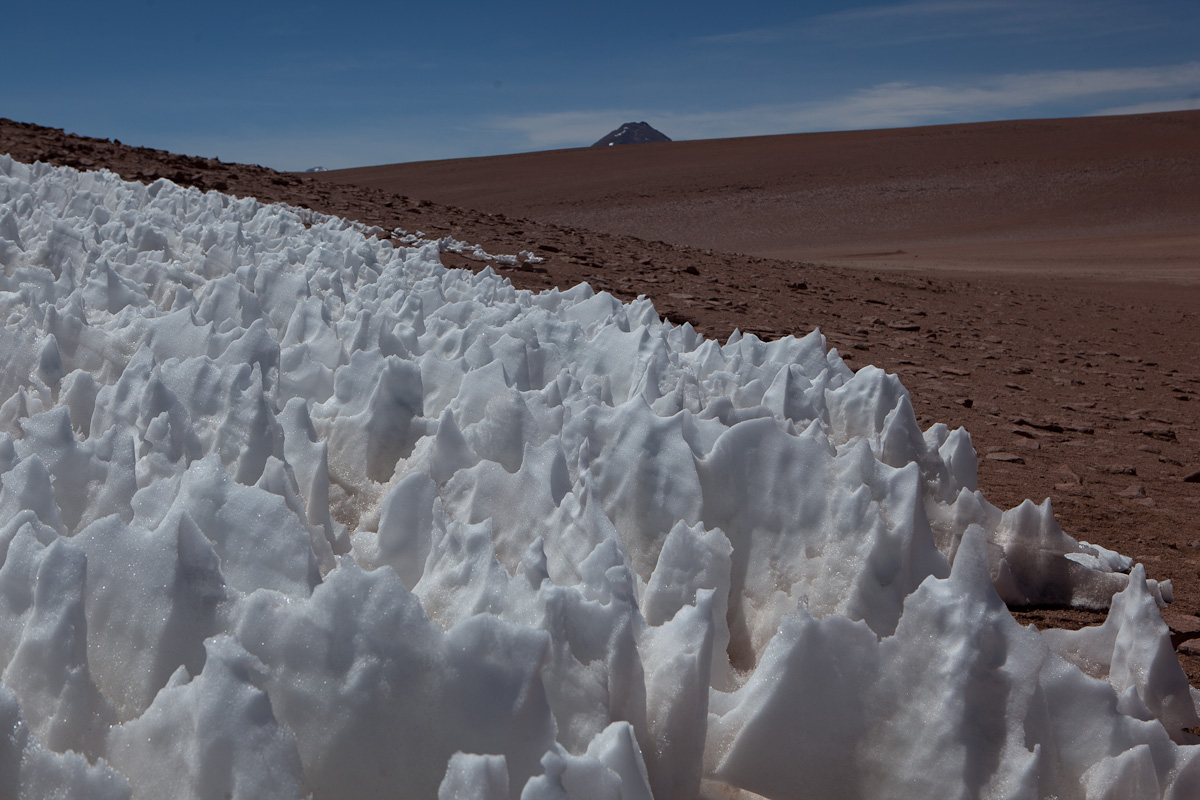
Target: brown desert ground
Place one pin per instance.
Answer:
(1051, 306)
(1094, 196)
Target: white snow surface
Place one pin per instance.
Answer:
(286, 511)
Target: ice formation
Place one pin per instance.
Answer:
(286, 511)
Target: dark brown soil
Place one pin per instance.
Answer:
(1100, 196)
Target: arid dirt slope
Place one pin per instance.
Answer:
(1097, 195)
(1083, 390)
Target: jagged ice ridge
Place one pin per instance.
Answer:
(286, 511)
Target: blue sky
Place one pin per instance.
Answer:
(298, 84)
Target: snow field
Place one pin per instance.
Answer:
(287, 512)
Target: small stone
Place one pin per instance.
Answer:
(1068, 474)
(1133, 491)
(1007, 458)
(1180, 622)
(1053, 427)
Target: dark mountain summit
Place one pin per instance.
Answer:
(632, 133)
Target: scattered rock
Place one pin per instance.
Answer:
(1007, 458)
(1068, 474)
(1189, 647)
(1180, 622)
(1165, 434)
(1052, 427)
(1192, 478)
(1118, 469)
(1133, 491)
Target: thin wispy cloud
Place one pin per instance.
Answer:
(908, 23)
(893, 104)
(565, 128)
(926, 9)
(856, 17)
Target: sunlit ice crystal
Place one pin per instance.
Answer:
(287, 511)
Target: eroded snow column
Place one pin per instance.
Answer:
(285, 511)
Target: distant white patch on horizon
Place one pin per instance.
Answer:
(1154, 107)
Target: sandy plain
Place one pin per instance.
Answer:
(1087, 196)
(1036, 282)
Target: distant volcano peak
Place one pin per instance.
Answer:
(632, 133)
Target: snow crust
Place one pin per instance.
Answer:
(286, 512)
